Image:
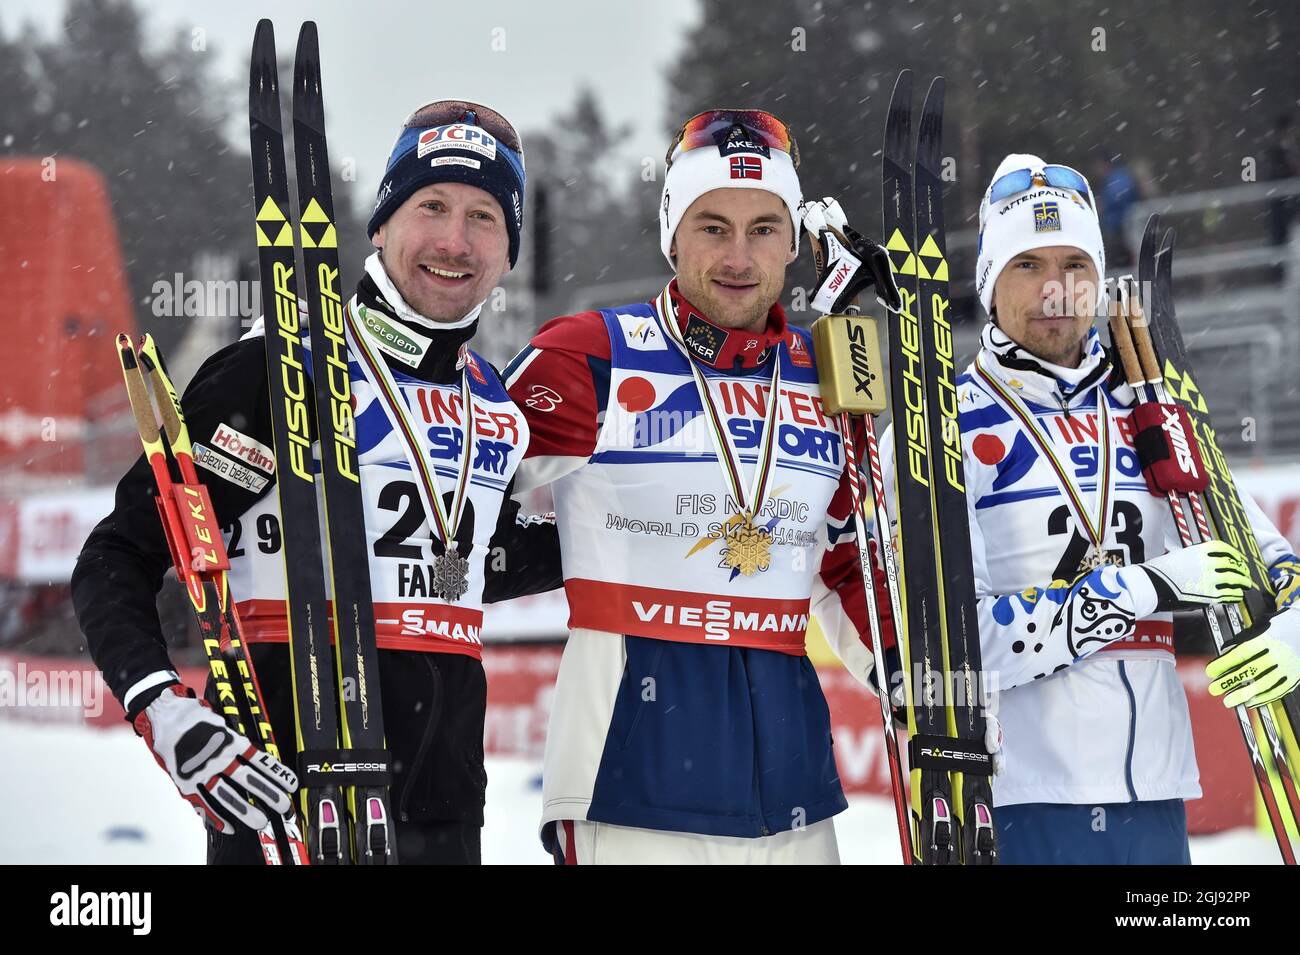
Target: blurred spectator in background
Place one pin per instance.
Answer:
(1116, 189)
(1281, 161)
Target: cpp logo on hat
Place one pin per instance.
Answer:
(457, 136)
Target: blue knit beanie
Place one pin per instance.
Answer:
(454, 141)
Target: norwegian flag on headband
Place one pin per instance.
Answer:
(746, 167)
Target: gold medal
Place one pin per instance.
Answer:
(748, 546)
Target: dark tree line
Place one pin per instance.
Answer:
(1182, 91)
(153, 124)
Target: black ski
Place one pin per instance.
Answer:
(1132, 343)
(1222, 502)
(972, 793)
(919, 621)
(314, 695)
(347, 557)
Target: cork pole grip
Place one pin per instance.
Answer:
(1122, 339)
(1142, 344)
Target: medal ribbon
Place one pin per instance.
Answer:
(751, 502)
(446, 522)
(1096, 531)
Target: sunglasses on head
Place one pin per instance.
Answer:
(714, 126)
(1022, 180)
(445, 112)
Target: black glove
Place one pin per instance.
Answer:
(848, 263)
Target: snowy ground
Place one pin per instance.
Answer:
(77, 795)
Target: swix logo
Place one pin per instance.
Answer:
(245, 448)
(860, 358)
(1178, 439)
(842, 272)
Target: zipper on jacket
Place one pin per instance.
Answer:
(1132, 732)
(435, 717)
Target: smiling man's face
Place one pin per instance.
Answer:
(732, 248)
(445, 248)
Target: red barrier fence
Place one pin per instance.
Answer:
(521, 679)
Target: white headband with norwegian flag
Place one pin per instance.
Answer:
(703, 169)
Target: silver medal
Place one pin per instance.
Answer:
(450, 576)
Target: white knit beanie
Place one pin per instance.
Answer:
(1039, 217)
(693, 173)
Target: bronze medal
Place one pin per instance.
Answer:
(1097, 558)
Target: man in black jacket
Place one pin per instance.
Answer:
(447, 224)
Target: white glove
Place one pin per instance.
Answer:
(1205, 573)
(215, 768)
(847, 262)
(993, 742)
(992, 728)
(1260, 668)
(821, 214)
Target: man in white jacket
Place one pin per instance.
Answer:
(1077, 565)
